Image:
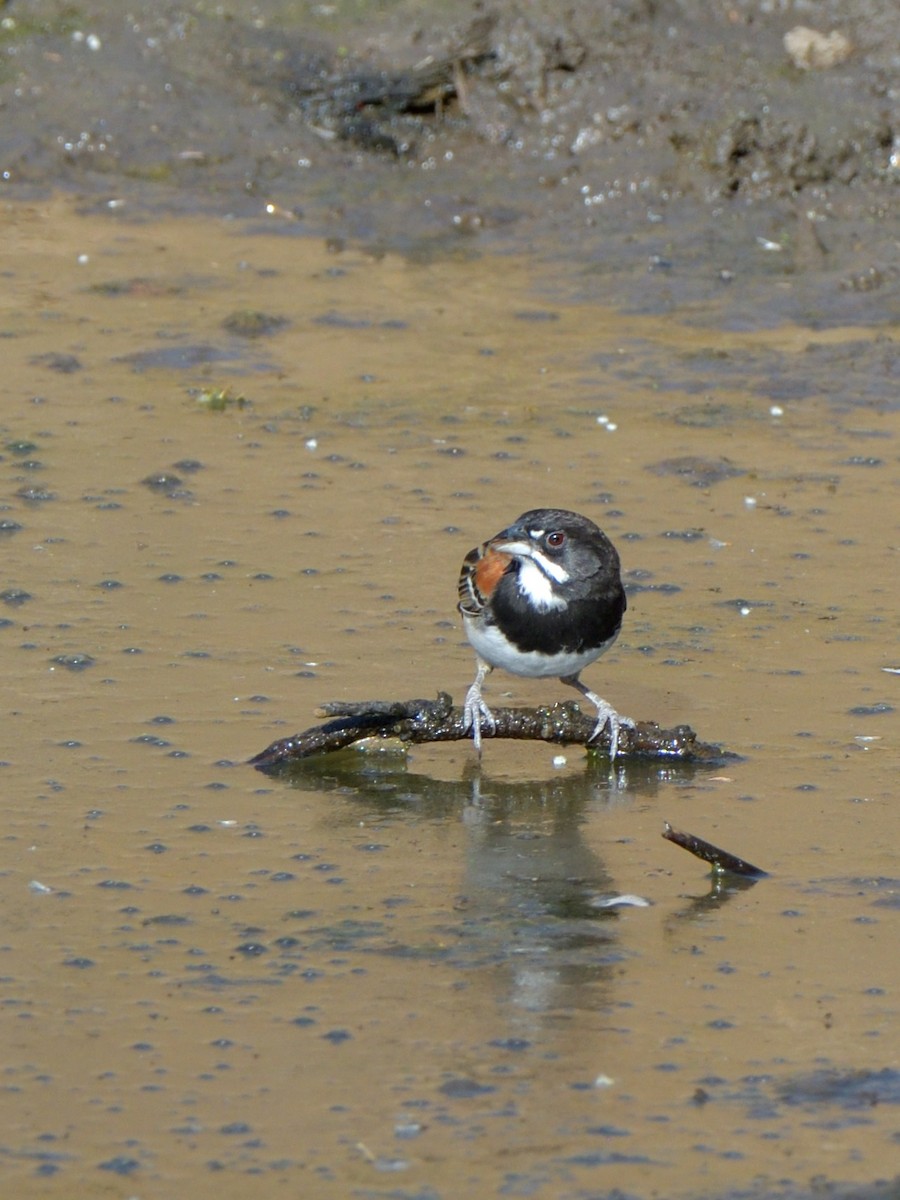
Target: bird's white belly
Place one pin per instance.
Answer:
(490, 645)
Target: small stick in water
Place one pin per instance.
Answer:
(721, 861)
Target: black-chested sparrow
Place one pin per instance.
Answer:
(542, 598)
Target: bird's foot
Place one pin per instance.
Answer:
(475, 710)
(607, 716)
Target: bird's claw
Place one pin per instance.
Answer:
(474, 712)
(607, 716)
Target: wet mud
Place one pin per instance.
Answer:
(267, 379)
(714, 154)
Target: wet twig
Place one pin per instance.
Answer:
(721, 861)
(415, 722)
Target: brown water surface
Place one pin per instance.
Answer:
(390, 979)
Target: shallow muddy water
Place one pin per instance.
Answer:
(389, 976)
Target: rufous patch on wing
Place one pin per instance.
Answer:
(489, 570)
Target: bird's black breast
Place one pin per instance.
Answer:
(591, 618)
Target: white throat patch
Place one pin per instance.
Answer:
(535, 584)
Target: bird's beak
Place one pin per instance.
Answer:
(515, 549)
(514, 541)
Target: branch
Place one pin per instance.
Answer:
(721, 861)
(418, 721)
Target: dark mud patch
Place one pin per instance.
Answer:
(676, 150)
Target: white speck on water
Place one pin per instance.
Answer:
(87, 39)
(626, 900)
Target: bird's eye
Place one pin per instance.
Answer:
(556, 539)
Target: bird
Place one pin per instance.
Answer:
(542, 598)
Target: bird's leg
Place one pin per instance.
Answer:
(606, 714)
(475, 708)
